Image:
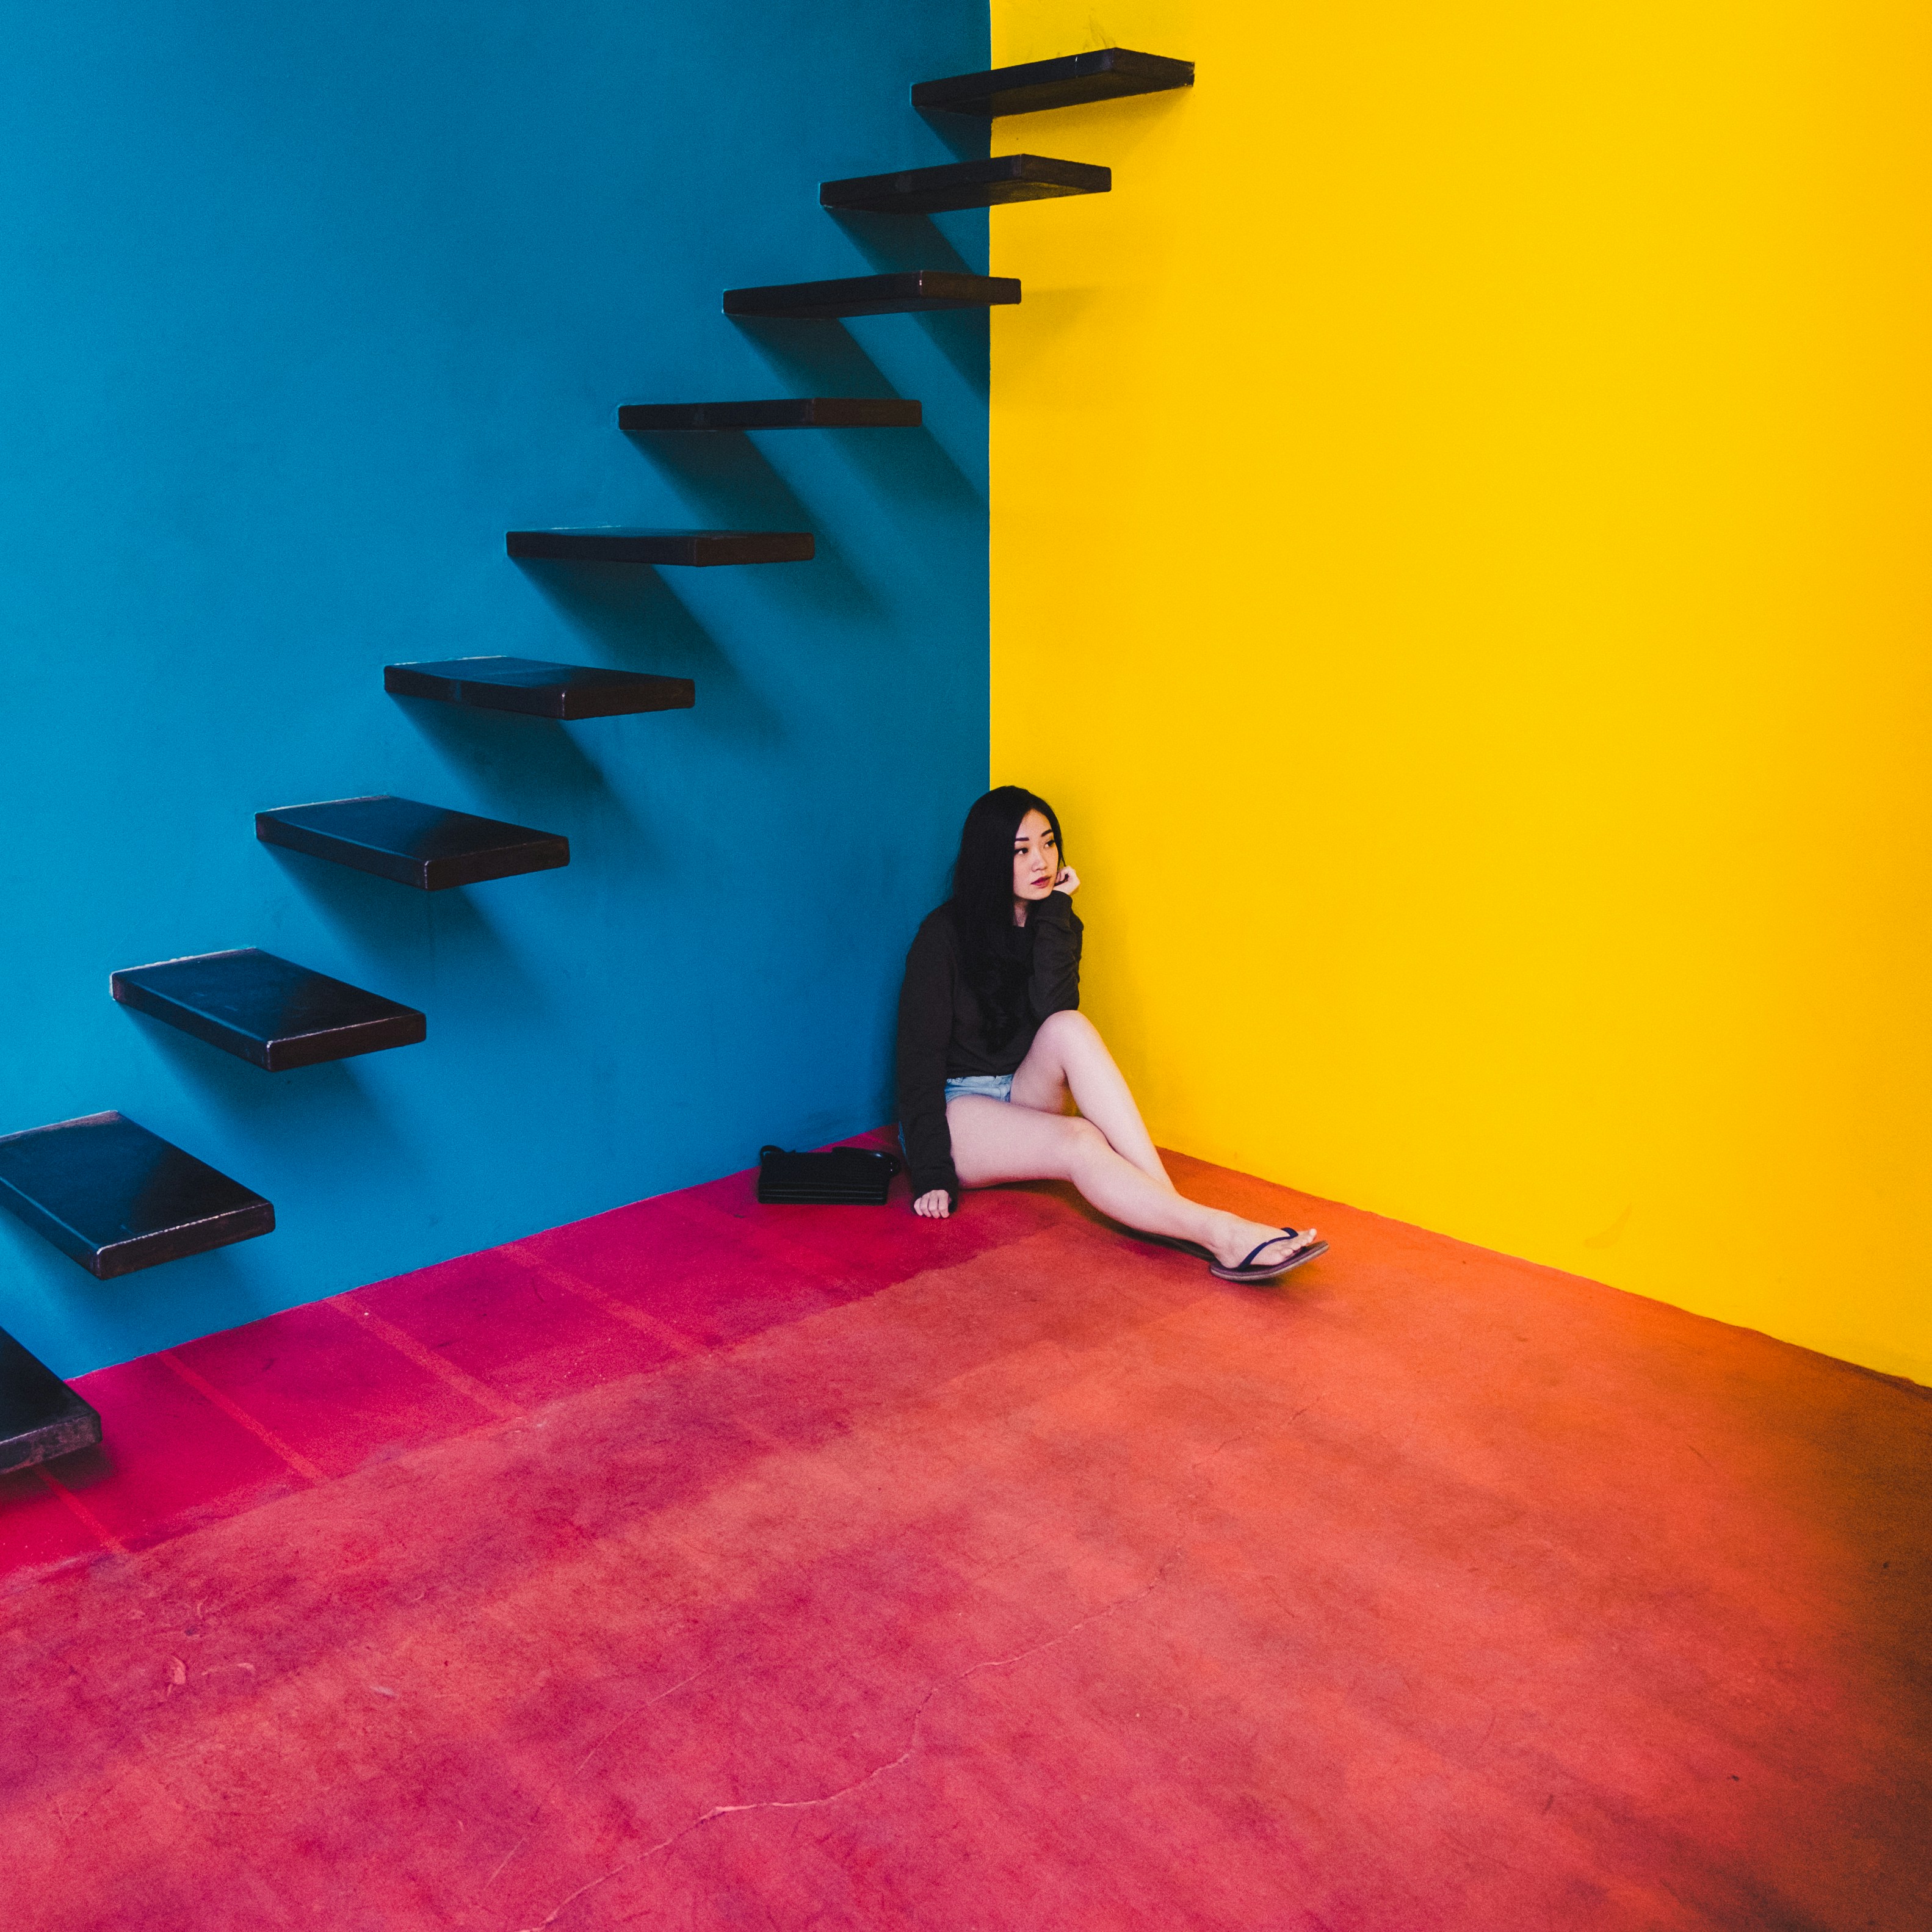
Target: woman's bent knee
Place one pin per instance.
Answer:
(1064, 1026)
(1069, 1143)
(993, 1142)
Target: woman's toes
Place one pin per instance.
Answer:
(1254, 1235)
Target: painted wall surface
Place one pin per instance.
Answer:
(303, 308)
(1460, 570)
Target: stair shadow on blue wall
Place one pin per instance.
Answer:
(730, 483)
(820, 358)
(318, 1108)
(824, 358)
(713, 470)
(965, 337)
(532, 771)
(893, 242)
(637, 622)
(966, 137)
(422, 932)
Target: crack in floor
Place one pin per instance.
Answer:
(858, 1784)
(629, 1717)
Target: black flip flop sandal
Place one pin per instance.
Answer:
(1247, 1270)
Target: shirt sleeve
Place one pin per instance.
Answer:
(1055, 987)
(924, 1033)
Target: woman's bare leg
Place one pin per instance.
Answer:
(1068, 1052)
(994, 1141)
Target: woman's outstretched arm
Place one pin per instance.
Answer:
(925, 1029)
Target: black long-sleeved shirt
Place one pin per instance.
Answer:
(943, 1031)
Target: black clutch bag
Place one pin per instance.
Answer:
(848, 1177)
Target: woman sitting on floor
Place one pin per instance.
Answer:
(991, 1041)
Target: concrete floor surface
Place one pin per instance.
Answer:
(706, 1566)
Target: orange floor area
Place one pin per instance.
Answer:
(710, 1566)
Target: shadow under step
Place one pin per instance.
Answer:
(912, 293)
(697, 548)
(40, 1417)
(536, 690)
(1107, 73)
(269, 1012)
(987, 184)
(788, 412)
(421, 845)
(116, 1198)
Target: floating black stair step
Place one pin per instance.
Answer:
(790, 412)
(537, 690)
(40, 1417)
(116, 1197)
(906, 294)
(420, 845)
(1105, 74)
(988, 183)
(269, 1012)
(698, 548)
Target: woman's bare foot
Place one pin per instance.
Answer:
(1237, 1239)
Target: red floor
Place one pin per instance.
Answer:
(705, 1565)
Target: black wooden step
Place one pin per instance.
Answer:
(906, 294)
(420, 845)
(789, 412)
(117, 1198)
(1071, 81)
(539, 690)
(269, 1012)
(698, 548)
(40, 1417)
(987, 184)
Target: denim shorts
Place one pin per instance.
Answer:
(993, 1086)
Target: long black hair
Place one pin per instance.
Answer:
(996, 957)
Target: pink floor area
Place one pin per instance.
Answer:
(704, 1565)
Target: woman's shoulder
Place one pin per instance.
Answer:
(937, 929)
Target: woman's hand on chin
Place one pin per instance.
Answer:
(1068, 882)
(936, 1205)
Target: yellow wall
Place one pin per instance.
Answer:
(1461, 569)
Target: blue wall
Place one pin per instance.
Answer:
(303, 308)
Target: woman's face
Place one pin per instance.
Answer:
(1035, 857)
